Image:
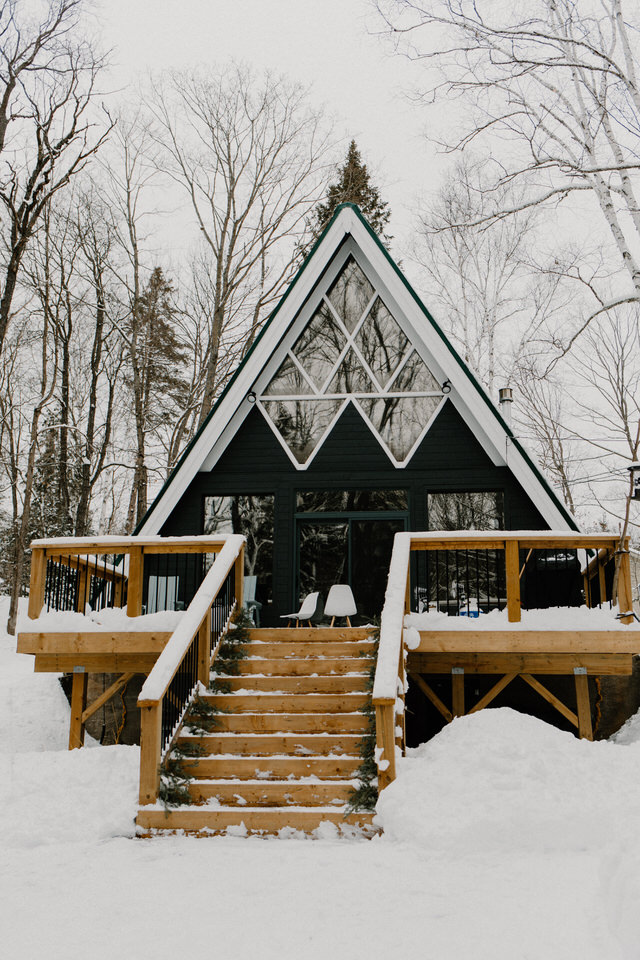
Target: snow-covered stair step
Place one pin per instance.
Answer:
(260, 820)
(287, 702)
(350, 683)
(299, 651)
(270, 768)
(322, 635)
(322, 666)
(263, 744)
(292, 723)
(273, 793)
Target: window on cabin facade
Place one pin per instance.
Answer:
(352, 350)
(465, 510)
(251, 516)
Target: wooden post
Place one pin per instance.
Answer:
(602, 580)
(385, 742)
(512, 568)
(204, 650)
(585, 730)
(150, 747)
(457, 691)
(78, 705)
(36, 585)
(134, 585)
(239, 578)
(625, 590)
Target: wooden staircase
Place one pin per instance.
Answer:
(286, 744)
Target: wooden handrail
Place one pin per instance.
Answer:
(133, 549)
(194, 625)
(389, 682)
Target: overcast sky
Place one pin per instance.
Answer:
(330, 44)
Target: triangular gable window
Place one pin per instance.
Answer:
(352, 349)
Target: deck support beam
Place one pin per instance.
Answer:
(431, 695)
(78, 706)
(585, 729)
(457, 691)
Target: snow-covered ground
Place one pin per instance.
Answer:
(505, 839)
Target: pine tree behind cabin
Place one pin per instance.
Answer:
(353, 185)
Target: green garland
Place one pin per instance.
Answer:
(365, 796)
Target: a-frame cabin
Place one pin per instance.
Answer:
(351, 418)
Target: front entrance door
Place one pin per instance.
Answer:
(353, 549)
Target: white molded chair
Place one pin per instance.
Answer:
(340, 603)
(307, 611)
(249, 602)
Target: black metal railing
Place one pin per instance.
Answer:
(171, 580)
(97, 580)
(458, 582)
(181, 690)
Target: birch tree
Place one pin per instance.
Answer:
(554, 92)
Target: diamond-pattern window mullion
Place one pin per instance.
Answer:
(303, 372)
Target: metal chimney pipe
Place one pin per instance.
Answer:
(505, 396)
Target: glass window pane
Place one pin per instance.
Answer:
(482, 510)
(381, 342)
(351, 377)
(319, 346)
(350, 294)
(415, 376)
(251, 516)
(288, 381)
(323, 553)
(302, 423)
(400, 420)
(339, 501)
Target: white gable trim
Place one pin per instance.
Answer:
(281, 332)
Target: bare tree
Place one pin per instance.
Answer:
(47, 81)
(249, 153)
(555, 90)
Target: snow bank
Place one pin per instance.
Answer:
(500, 781)
(553, 618)
(68, 796)
(111, 619)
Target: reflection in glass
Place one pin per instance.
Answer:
(288, 381)
(335, 501)
(251, 516)
(323, 556)
(482, 510)
(351, 377)
(400, 420)
(350, 294)
(371, 546)
(381, 342)
(319, 346)
(416, 377)
(302, 423)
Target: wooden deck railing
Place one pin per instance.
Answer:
(186, 661)
(506, 559)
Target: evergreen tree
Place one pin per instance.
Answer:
(353, 185)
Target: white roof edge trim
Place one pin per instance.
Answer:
(478, 415)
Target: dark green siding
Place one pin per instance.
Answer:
(449, 458)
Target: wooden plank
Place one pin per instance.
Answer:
(529, 641)
(150, 748)
(550, 698)
(512, 573)
(585, 729)
(263, 820)
(625, 590)
(204, 650)
(134, 585)
(388, 719)
(311, 634)
(100, 641)
(282, 768)
(431, 695)
(457, 691)
(78, 704)
(493, 693)
(602, 580)
(106, 695)
(496, 663)
(75, 546)
(95, 662)
(458, 543)
(264, 744)
(268, 703)
(36, 585)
